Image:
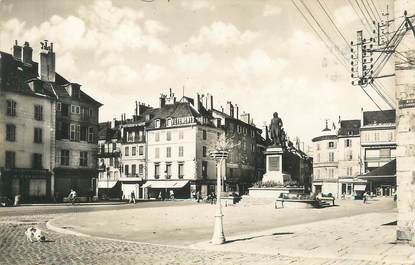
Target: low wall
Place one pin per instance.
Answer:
(272, 193)
(298, 204)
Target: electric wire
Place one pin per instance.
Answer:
(333, 23)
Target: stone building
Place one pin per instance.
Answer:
(179, 138)
(378, 148)
(27, 119)
(336, 162)
(245, 163)
(65, 121)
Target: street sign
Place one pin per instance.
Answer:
(218, 154)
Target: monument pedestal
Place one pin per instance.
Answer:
(274, 165)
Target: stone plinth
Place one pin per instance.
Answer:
(273, 162)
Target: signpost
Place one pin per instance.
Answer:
(218, 235)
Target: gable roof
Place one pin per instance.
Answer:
(349, 127)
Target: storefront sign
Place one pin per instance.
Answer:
(407, 103)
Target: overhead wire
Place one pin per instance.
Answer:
(360, 18)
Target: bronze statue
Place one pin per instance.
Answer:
(275, 129)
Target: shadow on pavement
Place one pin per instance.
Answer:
(253, 237)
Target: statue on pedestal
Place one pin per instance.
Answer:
(276, 130)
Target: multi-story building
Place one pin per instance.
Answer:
(179, 138)
(244, 164)
(378, 148)
(336, 162)
(27, 119)
(109, 160)
(65, 122)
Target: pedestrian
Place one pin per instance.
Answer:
(132, 197)
(365, 197)
(172, 195)
(72, 196)
(198, 196)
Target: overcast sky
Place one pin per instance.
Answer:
(260, 55)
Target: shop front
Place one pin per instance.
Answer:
(161, 189)
(33, 185)
(82, 180)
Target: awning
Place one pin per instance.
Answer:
(385, 172)
(359, 187)
(104, 184)
(165, 184)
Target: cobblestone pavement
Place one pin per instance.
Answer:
(69, 249)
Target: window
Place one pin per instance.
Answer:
(111, 161)
(181, 151)
(77, 132)
(204, 151)
(11, 132)
(10, 159)
(331, 144)
(168, 136)
(62, 131)
(349, 171)
(156, 171)
(65, 109)
(181, 135)
(140, 169)
(126, 170)
(331, 172)
(38, 112)
(168, 151)
(141, 150)
(130, 136)
(133, 169)
(59, 106)
(11, 108)
(181, 170)
(90, 135)
(84, 133)
(85, 113)
(169, 122)
(218, 136)
(238, 128)
(127, 151)
(37, 161)
(252, 148)
(83, 159)
(157, 152)
(133, 151)
(168, 171)
(114, 147)
(157, 124)
(64, 159)
(317, 146)
(204, 135)
(318, 158)
(349, 155)
(157, 137)
(75, 109)
(37, 135)
(376, 137)
(331, 157)
(347, 143)
(140, 136)
(72, 131)
(390, 136)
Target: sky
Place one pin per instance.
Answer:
(260, 55)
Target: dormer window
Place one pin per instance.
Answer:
(169, 122)
(148, 117)
(157, 124)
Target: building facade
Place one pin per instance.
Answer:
(378, 147)
(27, 118)
(62, 143)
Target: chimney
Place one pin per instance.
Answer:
(229, 109)
(162, 100)
(17, 51)
(237, 111)
(113, 123)
(197, 102)
(47, 62)
(211, 102)
(136, 108)
(27, 53)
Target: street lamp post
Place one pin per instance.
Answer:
(218, 235)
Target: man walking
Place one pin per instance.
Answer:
(72, 196)
(132, 197)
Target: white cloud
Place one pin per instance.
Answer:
(271, 10)
(258, 62)
(66, 64)
(197, 5)
(192, 62)
(222, 34)
(152, 72)
(154, 27)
